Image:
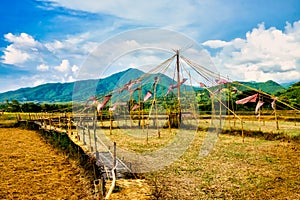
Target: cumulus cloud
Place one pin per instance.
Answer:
(64, 66)
(22, 39)
(42, 67)
(75, 68)
(264, 54)
(13, 55)
(23, 48)
(216, 43)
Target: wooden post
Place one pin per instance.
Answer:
(259, 125)
(156, 117)
(111, 122)
(90, 138)
(140, 91)
(178, 89)
(115, 158)
(169, 122)
(242, 130)
(95, 134)
(50, 123)
(69, 125)
(83, 133)
(212, 109)
(99, 186)
(228, 104)
(275, 113)
(295, 117)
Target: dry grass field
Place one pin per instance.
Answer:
(257, 168)
(32, 169)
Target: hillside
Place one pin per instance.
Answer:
(269, 87)
(291, 95)
(81, 90)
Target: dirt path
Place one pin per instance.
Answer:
(32, 169)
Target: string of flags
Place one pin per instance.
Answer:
(173, 86)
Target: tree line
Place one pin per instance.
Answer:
(16, 106)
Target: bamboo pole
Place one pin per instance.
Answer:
(295, 118)
(178, 89)
(231, 112)
(95, 134)
(156, 117)
(140, 91)
(111, 122)
(275, 113)
(83, 133)
(259, 125)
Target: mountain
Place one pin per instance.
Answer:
(287, 84)
(291, 95)
(82, 90)
(269, 87)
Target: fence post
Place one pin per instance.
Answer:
(95, 135)
(83, 133)
(115, 158)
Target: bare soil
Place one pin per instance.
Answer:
(32, 169)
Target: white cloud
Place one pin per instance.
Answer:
(23, 39)
(215, 43)
(23, 48)
(42, 67)
(64, 66)
(263, 55)
(75, 68)
(53, 46)
(13, 55)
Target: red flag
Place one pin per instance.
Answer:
(183, 81)
(147, 96)
(259, 104)
(247, 99)
(135, 89)
(173, 86)
(136, 106)
(202, 84)
(101, 105)
(221, 81)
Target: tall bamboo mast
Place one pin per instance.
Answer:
(178, 88)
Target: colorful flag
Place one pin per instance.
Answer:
(173, 86)
(273, 103)
(136, 106)
(221, 81)
(202, 85)
(128, 85)
(113, 108)
(183, 81)
(247, 99)
(135, 89)
(147, 96)
(259, 104)
(101, 105)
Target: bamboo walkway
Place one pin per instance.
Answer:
(87, 137)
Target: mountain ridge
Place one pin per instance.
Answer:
(78, 90)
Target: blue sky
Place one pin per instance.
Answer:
(45, 41)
